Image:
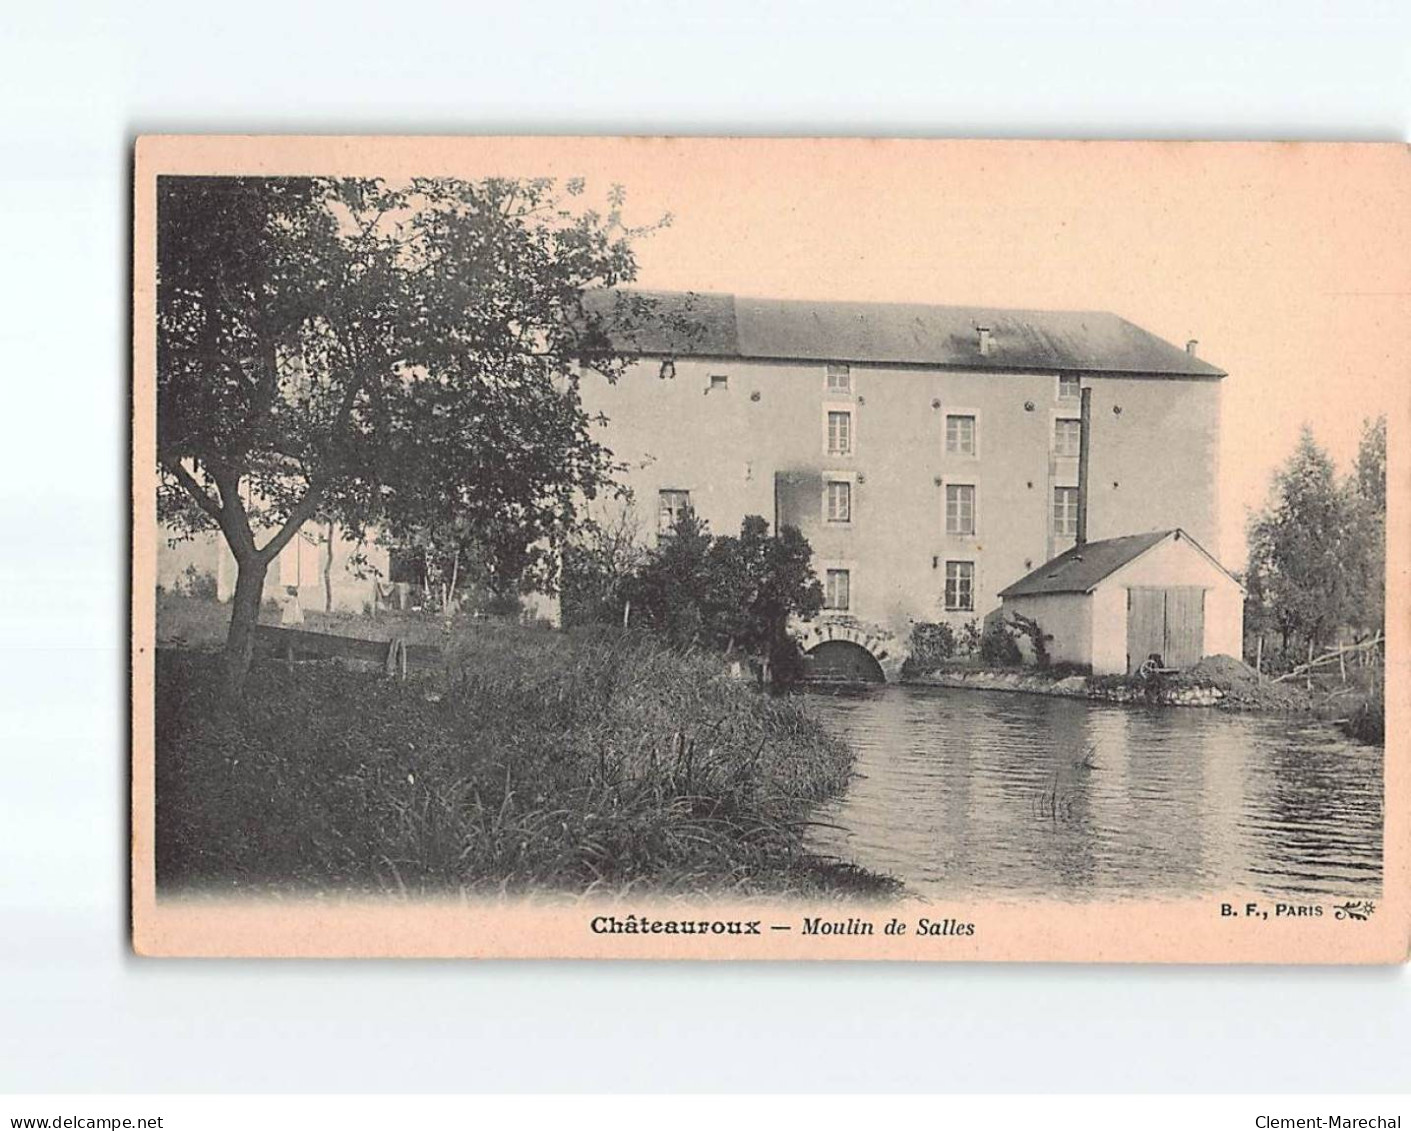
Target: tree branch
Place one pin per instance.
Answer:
(199, 494)
(306, 508)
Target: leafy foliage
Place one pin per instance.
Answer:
(597, 566)
(1028, 629)
(1317, 550)
(998, 647)
(928, 647)
(406, 355)
(730, 592)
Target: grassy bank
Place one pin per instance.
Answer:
(534, 761)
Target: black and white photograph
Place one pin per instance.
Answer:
(752, 564)
(747, 549)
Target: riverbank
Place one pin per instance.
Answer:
(1217, 681)
(533, 761)
(1118, 690)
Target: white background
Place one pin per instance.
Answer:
(77, 83)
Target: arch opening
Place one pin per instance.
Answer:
(842, 661)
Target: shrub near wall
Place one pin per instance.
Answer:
(928, 648)
(998, 647)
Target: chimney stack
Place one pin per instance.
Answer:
(985, 344)
(1084, 445)
(1192, 346)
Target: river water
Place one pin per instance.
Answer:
(994, 794)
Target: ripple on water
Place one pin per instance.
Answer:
(967, 792)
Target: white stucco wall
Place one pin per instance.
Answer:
(1172, 563)
(1067, 617)
(1109, 626)
(757, 446)
(300, 563)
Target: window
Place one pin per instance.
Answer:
(839, 433)
(1067, 437)
(719, 381)
(839, 501)
(1065, 512)
(1069, 387)
(960, 435)
(960, 508)
(672, 505)
(960, 586)
(839, 379)
(836, 586)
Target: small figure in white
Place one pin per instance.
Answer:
(291, 613)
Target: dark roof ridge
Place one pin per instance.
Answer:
(738, 296)
(903, 334)
(1081, 568)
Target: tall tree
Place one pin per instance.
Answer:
(1302, 560)
(1366, 510)
(363, 352)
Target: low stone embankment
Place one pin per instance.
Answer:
(1075, 687)
(1217, 681)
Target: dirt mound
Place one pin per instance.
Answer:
(1243, 686)
(1224, 672)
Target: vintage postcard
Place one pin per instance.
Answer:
(770, 549)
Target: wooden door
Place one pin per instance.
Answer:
(1146, 625)
(1185, 626)
(1166, 622)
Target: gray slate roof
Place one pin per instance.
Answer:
(1080, 569)
(726, 325)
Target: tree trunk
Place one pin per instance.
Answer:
(244, 615)
(328, 571)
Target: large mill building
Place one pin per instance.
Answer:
(930, 454)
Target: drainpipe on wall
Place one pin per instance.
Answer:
(1084, 446)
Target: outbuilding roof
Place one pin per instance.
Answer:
(684, 323)
(1080, 569)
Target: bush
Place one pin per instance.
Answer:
(1026, 628)
(196, 583)
(729, 593)
(1367, 723)
(967, 640)
(502, 605)
(929, 646)
(998, 648)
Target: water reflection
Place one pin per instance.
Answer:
(994, 794)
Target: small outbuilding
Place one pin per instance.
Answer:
(1115, 604)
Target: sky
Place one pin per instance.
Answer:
(1290, 266)
(1287, 262)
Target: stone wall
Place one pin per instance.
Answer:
(1076, 687)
